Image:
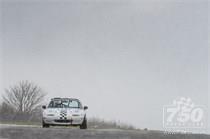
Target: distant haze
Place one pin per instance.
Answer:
(125, 60)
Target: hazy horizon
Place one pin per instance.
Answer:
(122, 59)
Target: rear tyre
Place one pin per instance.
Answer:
(84, 124)
(44, 125)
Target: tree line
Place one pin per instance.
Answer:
(22, 102)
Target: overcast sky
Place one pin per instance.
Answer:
(124, 59)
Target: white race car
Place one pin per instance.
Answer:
(64, 112)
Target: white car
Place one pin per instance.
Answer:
(64, 112)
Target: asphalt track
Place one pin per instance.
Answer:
(36, 132)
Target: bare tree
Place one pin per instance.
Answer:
(24, 98)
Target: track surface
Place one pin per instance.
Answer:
(35, 132)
